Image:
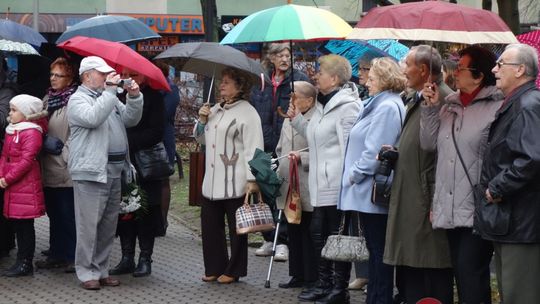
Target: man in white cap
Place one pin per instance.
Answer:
(98, 153)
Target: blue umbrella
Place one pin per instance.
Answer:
(353, 50)
(111, 28)
(10, 30)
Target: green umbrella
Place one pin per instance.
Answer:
(268, 181)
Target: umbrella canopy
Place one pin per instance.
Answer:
(112, 28)
(289, 22)
(17, 48)
(118, 56)
(433, 21)
(17, 32)
(532, 39)
(267, 179)
(209, 59)
(353, 50)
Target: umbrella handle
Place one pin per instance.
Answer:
(281, 113)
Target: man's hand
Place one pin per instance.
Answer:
(431, 94)
(490, 199)
(112, 78)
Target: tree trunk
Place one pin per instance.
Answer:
(509, 12)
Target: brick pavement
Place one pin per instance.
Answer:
(175, 278)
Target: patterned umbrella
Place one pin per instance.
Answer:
(433, 21)
(17, 48)
(532, 39)
(111, 28)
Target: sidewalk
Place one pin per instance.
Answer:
(175, 278)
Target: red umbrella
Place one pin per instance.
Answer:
(433, 21)
(118, 56)
(532, 39)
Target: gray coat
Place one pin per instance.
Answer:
(453, 203)
(291, 140)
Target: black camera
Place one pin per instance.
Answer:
(388, 156)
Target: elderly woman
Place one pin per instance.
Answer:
(278, 69)
(301, 251)
(58, 187)
(458, 131)
(231, 131)
(337, 108)
(379, 124)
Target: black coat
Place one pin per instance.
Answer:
(511, 167)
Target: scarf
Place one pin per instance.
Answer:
(59, 99)
(324, 99)
(21, 126)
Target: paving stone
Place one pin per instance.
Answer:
(176, 278)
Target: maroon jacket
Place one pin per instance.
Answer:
(23, 198)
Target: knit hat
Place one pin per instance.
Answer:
(30, 106)
(94, 63)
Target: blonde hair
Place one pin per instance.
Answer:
(336, 65)
(389, 74)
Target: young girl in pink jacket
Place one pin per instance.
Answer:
(20, 176)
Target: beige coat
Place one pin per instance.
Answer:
(55, 173)
(291, 140)
(231, 135)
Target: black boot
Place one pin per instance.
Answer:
(339, 294)
(127, 263)
(21, 268)
(144, 267)
(323, 285)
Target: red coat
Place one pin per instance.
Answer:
(23, 198)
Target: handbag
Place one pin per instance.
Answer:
(380, 191)
(153, 163)
(293, 204)
(254, 217)
(344, 248)
(489, 218)
(196, 177)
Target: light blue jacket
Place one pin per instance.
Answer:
(89, 139)
(379, 124)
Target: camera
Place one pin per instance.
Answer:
(125, 82)
(388, 156)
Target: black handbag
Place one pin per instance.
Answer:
(380, 191)
(153, 163)
(489, 218)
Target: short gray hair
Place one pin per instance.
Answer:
(338, 66)
(273, 49)
(528, 56)
(425, 54)
(306, 89)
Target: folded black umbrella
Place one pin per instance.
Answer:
(267, 179)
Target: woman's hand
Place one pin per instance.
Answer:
(292, 111)
(294, 154)
(133, 89)
(204, 112)
(431, 94)
(252, 187)
(3, 183)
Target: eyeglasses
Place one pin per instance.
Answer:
(460, 68)
(54, 75)
(363, 69)
(500, 63)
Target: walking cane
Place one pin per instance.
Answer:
(267, 284)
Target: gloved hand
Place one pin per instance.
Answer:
(252, 187)
(52, 145)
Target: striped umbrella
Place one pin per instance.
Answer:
(289, 22)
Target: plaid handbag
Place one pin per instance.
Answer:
(254, 217)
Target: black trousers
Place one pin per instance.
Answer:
(381, 276)
(471, 256)
(26, 238)
(419, 283)
(325, 222)
(7, 235)
(361, 269)
(214, 241)
(61, 213)
(302, 257)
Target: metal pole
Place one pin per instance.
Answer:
(36, 15)
(267, 283)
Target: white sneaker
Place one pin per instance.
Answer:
(282, 253)
(265, 249)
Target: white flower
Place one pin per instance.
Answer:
(131, 202)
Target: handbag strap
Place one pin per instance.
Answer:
(344, 214)
(246, 198)
(293, 174)
(459, 153)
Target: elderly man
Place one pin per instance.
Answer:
(97, 156)
(511, 175)
(420, 253)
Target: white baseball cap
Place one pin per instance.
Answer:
(95, 63)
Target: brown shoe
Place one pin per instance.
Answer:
(225, 279)
(209, 278)
(91, 285)
(108, 281)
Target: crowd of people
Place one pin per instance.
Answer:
(451, 143)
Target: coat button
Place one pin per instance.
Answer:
(213, 146)
(450, 192)
(447, 137)
(212, 165)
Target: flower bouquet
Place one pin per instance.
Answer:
(133, 204)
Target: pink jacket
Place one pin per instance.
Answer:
(23, 198)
